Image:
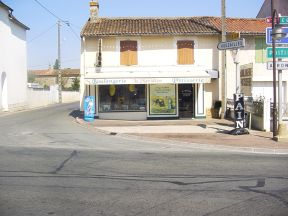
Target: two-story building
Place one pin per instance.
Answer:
(155, 68)
(13, 61)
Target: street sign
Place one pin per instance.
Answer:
(233, 36)
(269, 37)
(280, 65)
(269, 20)
(236, 44)
(283, 20)
(280, 52)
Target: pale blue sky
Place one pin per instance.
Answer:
(42, 37)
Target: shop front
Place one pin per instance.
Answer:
(148, 95)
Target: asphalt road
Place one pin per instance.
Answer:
(50, 165)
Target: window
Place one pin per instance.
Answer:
(128, 51)
(115, 98)
(185, 52)
(260, 50)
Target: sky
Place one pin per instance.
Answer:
(42, 45)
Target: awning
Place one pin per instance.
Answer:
(139, 75)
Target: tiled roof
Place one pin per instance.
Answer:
(11, 17)
(52, 72)
(171, 26)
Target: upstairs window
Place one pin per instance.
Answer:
(260, 50)
(128, 51)
(185, 50)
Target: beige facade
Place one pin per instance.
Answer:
(156, 53)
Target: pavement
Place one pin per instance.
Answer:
(208, 133)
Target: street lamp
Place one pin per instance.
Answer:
(277, 33)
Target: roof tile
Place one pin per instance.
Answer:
(171, 26)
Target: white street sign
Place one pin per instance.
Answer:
(231, 44)
(283, 65)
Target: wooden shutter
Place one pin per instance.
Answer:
(260, 50)
(185, 52)
(128, 54)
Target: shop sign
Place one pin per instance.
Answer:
(239, 110)
(89, 108)
(125, 81)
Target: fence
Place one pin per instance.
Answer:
(257, 113)
(41, 97)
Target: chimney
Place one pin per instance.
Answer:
(94, 10)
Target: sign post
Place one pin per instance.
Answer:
(239, 111)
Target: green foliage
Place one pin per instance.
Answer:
(56, 65)
(31, 77)
(76, 84)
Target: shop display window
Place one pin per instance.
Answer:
(115, 98)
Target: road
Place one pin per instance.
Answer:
(50, 165)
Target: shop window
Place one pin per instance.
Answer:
(128, 51)
(115, 98)
(185, 49)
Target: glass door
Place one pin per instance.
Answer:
(186, 100)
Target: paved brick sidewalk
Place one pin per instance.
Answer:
(209, 131)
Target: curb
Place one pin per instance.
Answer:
(189, 144)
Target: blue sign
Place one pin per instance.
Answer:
(269, 37)
(89, 108)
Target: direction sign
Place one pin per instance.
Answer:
(283, 20)
(280, 52)
(269, 20)
(236, 44)
(269, 37)
(280, 65)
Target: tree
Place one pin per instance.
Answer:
(76, 84)
(56, 65)
(31, 77)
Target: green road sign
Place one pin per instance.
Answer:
(281, 52)
(284, 20)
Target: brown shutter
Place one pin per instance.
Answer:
(185, 52)
(128, 54)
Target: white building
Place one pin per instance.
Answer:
(155, 68)
(13, 61)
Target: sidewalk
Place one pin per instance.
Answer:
(212, 132)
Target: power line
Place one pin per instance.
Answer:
(42, 33)
(72, 30)
(45, 8)
(57, 17)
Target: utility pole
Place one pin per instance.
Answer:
(59, 64)
(224, 76)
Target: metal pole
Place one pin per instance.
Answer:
(274, 75)
(59, 64)
(279, 96)
(224, 77)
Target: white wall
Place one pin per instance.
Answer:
(41, 98)
(13, 61)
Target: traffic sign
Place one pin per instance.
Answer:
(269, 37)
(269, 20)
(236, 44)
(283, 20)
(280, 52)
(280, 65)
